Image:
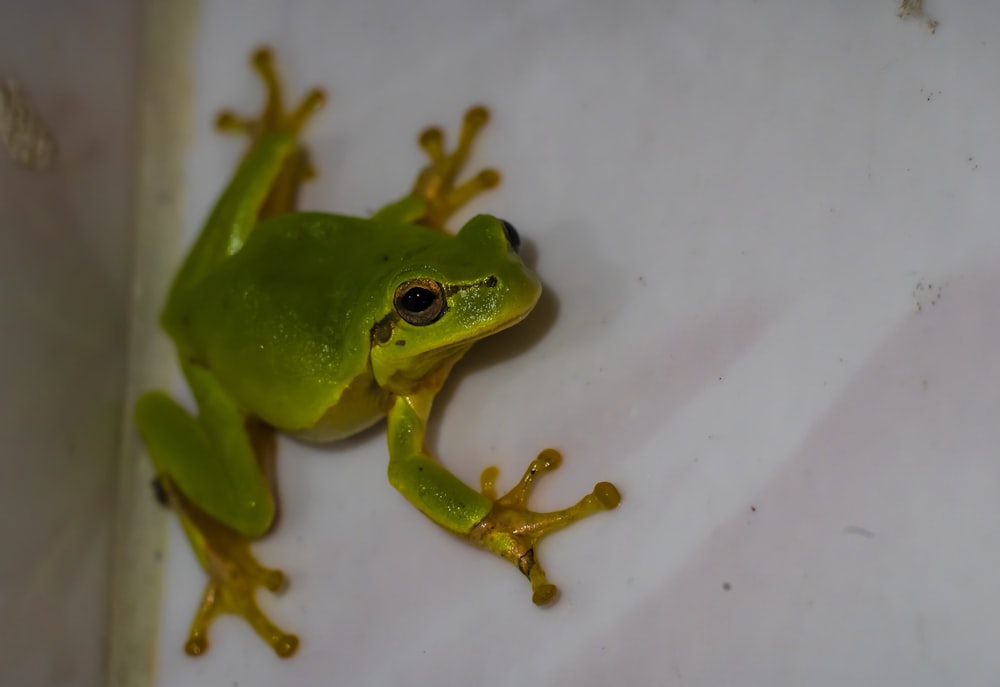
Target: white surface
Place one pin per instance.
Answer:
(65, 235)
(768, 234)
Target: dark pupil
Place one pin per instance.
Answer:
(418, 299)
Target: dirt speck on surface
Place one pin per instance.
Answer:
(915, 9)
(927, 294)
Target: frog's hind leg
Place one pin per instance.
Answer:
(215, 472)
(265, 184)
(234, 575)
(274, 118)
(435, 195)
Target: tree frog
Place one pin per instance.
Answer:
(320, 325)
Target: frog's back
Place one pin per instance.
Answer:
(285, 323)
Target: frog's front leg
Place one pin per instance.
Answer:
(502, 525)
(512, 531)
(435, 196)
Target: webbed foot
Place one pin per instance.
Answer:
(435, 183)
(276, 118)
(233, 578)
(513, 532)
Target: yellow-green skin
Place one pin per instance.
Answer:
(296, 326)
(296, 323)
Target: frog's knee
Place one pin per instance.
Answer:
(150, 406)
(254, 516)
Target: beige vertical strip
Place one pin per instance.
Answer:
(23, 133)
(166, 91)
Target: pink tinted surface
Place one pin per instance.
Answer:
(768, 238)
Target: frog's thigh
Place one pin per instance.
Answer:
(217, 470)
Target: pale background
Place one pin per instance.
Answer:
(768, 235)
(65, 247)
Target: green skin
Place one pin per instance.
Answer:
(292, 323)
(282, 328)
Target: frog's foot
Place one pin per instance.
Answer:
(276, 118)
(513, 532)
(435, 184)
(234, 575)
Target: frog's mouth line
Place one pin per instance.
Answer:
(496, 328)
(382, 331)
(489, 282)
(507, 324)
(459, 346)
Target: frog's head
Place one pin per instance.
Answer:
(449, 294)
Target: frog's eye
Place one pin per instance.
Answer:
(513, 239)
(419, 301)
